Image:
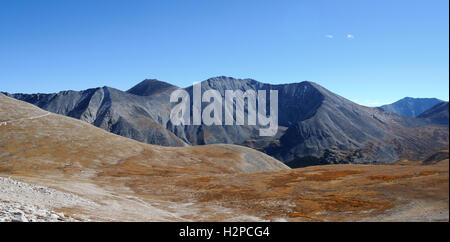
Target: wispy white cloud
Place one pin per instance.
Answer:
(329, 36)
(350, 36)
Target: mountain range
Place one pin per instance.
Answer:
(54, 168)
(316, 126)
(411, 107)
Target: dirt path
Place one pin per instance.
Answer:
(21, 119)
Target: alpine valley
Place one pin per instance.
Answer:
(104, 154)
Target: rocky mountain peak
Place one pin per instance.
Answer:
(149, 87)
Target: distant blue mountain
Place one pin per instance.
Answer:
(411, 107)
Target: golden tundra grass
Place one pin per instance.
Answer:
(132, 181)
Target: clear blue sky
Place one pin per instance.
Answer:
(370, 51)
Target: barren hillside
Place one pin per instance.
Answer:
(316, 126)
(112, 178)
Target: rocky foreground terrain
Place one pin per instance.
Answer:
(59, 168)
(23, 202)
(401, 192)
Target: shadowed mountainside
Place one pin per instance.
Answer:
(438, 114)
(116, 111)
(316, 126)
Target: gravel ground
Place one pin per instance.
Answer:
(17, 212)
(23, 202)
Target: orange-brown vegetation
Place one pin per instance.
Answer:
(133, 181)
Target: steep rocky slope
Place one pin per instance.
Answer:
(438, 114)
(344, 132)
(116, 111)
(316, 126)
